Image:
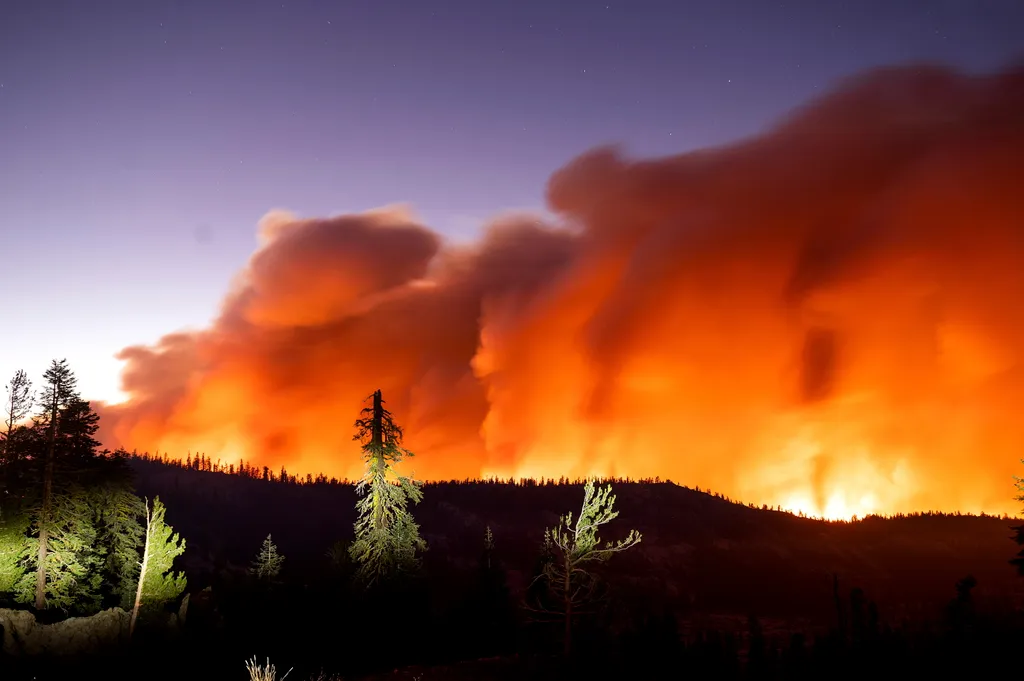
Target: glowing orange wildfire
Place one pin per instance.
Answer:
(829, 318)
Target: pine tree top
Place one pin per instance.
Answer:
(377, 431)
(163, 545)
(267, 564)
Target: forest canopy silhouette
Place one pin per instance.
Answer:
(826, 316)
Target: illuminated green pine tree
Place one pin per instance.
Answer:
(267, 565)
(14, 522)
(116, 511)
(59, 392)
(570, 586)
(14, 548)
(72, 564)
(60, 470)
(387, 538)
(157, 584)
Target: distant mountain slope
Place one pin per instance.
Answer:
(700, 553)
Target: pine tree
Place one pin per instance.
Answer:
(575, 544)
(538, 592)
(492, 615)
(387, 537)
(268, 563)
(13, 520)
(17, 406)
(488, 547)
(70, 571)
(157, 584)
(493, 587)
(116, 513)
(14, 547)
(58, 393)
(61, 456)
(77, 443)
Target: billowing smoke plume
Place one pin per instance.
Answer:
(829, 317)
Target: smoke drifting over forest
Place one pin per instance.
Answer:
(829, 316)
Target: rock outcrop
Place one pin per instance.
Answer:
(23, 636)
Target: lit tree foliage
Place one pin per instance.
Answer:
(13, 520)
(575, 544)
(58, 393)
(387, 537)
(60, 468)
(72, 563)
(116, 513)
(157, 584)
(79, 505)
(268, 563)
(14, 548)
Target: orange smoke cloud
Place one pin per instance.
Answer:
(829, 317)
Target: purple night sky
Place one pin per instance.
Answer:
(141, 141)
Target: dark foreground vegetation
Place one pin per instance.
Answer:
(463, 580)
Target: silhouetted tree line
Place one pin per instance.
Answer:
(202, 462)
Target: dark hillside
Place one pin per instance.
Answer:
(701, 554)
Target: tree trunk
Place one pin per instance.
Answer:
(376, 447)
(6, 461)
(142, 574)
(6, 465)
(44, 514)
(378, 421)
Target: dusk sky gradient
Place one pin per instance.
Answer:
(141, 141)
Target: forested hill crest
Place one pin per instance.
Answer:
(704, 553)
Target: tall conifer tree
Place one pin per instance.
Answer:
(387, 538)
(116, 511)
(65, 565)
(14, 521)
(18, 402)
(58, 392)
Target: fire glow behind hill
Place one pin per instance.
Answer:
(827, 317)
